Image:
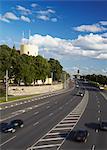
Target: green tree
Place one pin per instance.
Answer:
(56, 69)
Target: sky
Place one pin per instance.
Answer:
(73, 32)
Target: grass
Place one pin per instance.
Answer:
(10, 98)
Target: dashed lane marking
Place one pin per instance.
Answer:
(50, 114)
(7, 141)
(35, 123)
(36, 113)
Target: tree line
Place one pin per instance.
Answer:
(101, 79)
(28, 69)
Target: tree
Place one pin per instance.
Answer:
(42, 68)
(55, 68)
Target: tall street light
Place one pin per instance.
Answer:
(6, 85)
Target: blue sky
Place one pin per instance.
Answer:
(75, 33)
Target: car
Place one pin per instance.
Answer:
(80, 135)
(80, 94)
(77, 85)
(12, 126)
(103, 126)
(3, 126)
(17, 123)
(6, 127)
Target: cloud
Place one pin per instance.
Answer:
(102, 56)
(43, 17)
(46, 12)
(91, 42)
(104, 23)
(26, 19)
(4, 19)
(104, 70)
(104, 34)
(54, 19)
(46, 15)
(90, 28)
(23, 10)
(10, 16)
(94, 46)
(34, 5)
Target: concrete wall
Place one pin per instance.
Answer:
(29, 90)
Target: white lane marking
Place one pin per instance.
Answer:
(99, 111)
(98, 118)
(11, 105)
(53, 133)
(44, 146)
(96, 131)
(36, 113)
(72, 118)
(1, 108)
(93, 147)
(50, 114)
(69, 121)
(35, 123)
(66, 128)
(52, 139)
(6, 106)
(18, 112)
(66, 124)
(8, 140)
(48, 107)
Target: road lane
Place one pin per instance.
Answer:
(89, 120)
(30, 132)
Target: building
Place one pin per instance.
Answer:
(29, 49)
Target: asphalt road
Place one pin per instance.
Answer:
(39, 117)
(96, 110)
(50, 120)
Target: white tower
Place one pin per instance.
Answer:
(27, 48)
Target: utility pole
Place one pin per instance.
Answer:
(6, 85)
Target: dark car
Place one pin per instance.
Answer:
(80, 94)
(3, 125)
(6, 127)
(11, 127)
(103, 126)
(80, 135)
(17, 123)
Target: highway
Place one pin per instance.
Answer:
(49, 121)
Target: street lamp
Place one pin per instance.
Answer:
(6, 85)
(7, 78)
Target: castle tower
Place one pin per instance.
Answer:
(28, 49)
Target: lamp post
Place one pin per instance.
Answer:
(6, 85)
